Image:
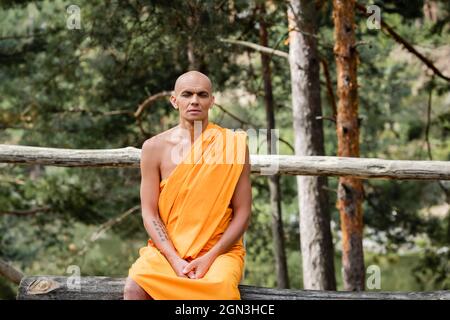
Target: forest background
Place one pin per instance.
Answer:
(78, 88)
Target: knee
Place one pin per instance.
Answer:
(133, 291)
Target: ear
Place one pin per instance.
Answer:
(212, 102)
(173, 100)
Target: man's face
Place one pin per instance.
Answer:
(193, 97)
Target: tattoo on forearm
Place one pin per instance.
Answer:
(160, 229)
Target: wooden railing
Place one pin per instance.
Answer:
(372, 168)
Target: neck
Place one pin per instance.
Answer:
(195, 128)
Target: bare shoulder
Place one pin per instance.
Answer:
(151, 146)
(157, 144)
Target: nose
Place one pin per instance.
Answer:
(194, 99)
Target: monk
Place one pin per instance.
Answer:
(196, 204)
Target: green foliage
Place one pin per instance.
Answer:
(433, 269)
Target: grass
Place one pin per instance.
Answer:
(396, 272)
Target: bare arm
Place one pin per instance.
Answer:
(149, 203)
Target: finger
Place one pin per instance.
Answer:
(186, 271)
(187, 268)
(191, 275)
(199, 274)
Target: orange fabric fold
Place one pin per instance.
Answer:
(194, 205)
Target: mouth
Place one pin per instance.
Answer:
(195, 111)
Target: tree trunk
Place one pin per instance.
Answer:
(273, 180)
(10, 273)
(196, 58)
(430, 10)
(315, 233)
(191, 54)
(350, 190)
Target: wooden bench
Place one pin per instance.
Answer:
(105, 288)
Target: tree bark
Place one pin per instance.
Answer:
(315, 234)
(273, 180)
(350, 190)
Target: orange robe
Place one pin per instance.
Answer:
(194, 205)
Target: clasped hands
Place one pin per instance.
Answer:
(195, 269)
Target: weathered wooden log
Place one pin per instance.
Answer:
(105, 288)
(9, 272)
(261, 164)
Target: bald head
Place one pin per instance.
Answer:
(192, 78)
